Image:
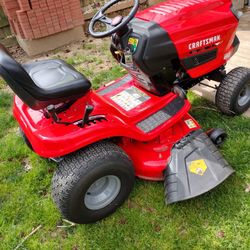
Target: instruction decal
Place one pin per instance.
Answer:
(130, 98)
(190, 123)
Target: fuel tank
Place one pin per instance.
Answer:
(203, 31)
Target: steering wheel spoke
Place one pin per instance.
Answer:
(106, 20)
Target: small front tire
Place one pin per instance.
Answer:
(217, 136)
(92, 183)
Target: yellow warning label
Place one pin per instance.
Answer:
(133, 43)
(198, 167)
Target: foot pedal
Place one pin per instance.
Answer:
(196, 167)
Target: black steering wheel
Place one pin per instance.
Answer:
(112, 25)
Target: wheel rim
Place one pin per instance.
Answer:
(244, 95)
(220, 140)
(102, 192)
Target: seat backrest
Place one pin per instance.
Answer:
(16, 77)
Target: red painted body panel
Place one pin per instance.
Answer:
(151, 158)
(149, 151)
(189, 22)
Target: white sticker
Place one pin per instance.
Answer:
(190, 123)
(130, 98)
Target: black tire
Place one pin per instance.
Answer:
(230, 90)
(217, 136)
(26, 140)
(76, 174)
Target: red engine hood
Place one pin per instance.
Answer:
(189, 17)
(174, 13)
(190, 21)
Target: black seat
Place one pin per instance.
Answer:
(43, 83)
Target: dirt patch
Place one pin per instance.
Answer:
(87, 47)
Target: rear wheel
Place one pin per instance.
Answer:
(233, 94)
(26, 140)
(92, 183)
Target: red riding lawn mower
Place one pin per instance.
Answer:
(137, 125)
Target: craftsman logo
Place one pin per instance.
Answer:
(205, 42)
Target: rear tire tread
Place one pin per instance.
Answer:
(71, 170)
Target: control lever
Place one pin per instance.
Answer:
(52, 113)
(87, 112)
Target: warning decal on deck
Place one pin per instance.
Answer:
(130, 98)
(198, 167)
(190, 123)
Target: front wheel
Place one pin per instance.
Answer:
(233, 94)
(92, 183)
(217, 136)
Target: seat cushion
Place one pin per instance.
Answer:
(57, 79)
(42, 83)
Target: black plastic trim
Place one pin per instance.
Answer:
(236, 42)
(181, 181)
(155, 49)
(163, 115)
(199, 59)
(235, 12)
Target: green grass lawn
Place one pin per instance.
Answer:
(219, 219)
